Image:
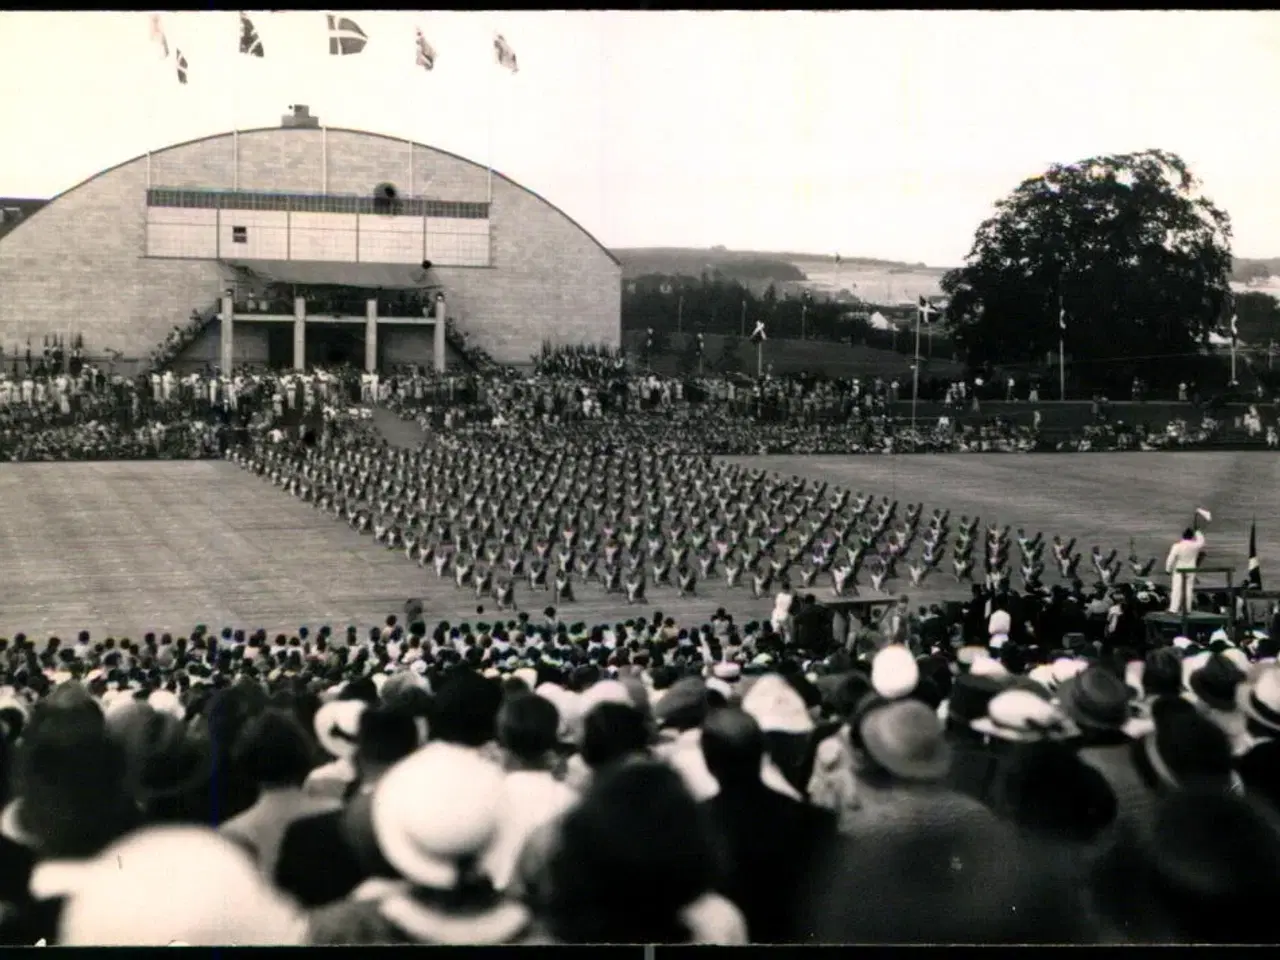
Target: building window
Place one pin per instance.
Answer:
(239, 234)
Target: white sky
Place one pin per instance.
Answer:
(883, 134)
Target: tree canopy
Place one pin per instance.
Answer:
(1137, 257)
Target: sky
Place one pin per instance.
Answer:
(873, 134)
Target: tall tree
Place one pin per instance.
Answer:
(1138, 258)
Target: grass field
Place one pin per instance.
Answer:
(123, 548)
(1103, 498)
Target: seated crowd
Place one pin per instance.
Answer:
(1018, 774)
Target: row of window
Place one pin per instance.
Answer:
(313, 203)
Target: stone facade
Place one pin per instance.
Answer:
(78, 264)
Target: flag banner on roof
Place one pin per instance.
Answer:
(181, 62)
(426, 55)
(758, 335)
(505, 55)
(250, 42)
(926, 311)
(1253, 579)
(158, 37)
(345, 36)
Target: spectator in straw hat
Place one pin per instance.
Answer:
(763, 869)
(434, 817)
(337, 727)
(1214, 688)
(182, 885)
(973, 759)
(1259, 768)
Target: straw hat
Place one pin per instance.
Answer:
(337, 725)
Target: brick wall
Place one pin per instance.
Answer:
(78, 265)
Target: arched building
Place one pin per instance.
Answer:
(336, 245)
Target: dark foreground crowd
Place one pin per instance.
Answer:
(1030, 771)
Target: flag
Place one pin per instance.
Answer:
(926, 309)
(250, 42)
(1235, 327)
(158, 37)
(506, 56)
(1062, 317)
(701, 345)
(1202, 512)
(426, 55)
(181, 63)
(758, 335)
(837, 259)
(345, 36)
(1253, 579)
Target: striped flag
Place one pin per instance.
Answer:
(426, 58)
(158, 37)
(758, 335)
(345, 36)
(926, 310)
(1253, 579)
(505, 55)
(250, 42)
(181, 63)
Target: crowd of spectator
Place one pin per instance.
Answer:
(1028, 767)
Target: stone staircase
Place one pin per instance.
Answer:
(170, 350)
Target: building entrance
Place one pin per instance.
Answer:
(335, 345)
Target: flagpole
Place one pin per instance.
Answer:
(489, 167)
(1062, 355)
(915, 373)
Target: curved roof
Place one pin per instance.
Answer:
(364, 133)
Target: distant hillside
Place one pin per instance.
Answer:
(747, 264)
(1245, 269)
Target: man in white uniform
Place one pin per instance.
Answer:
(1184, 554)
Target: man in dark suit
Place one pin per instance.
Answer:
(768, 842)
(325, 857)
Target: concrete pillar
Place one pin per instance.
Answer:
(227, 328)
(371, 336)
(438, 342)
(299, 333)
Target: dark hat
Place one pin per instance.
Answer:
(684, 705)
(1095, 699)
(969, 698)
(905, 738)
(1186, 749)
(1215, 683)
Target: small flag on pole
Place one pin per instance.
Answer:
(926, 310)
(758, 335)
(1204, 514)
(181, 62)
(701, 345)
(1253, 580)
(1235, 327)
(158, 37)
(345, 36)
(505, 55)
(426, 55)
(837, 259)
(1062, 317)
(250, 42)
